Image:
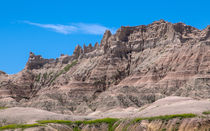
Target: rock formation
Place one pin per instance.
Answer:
(131, 68)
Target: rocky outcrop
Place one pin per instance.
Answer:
(96, 46)
(37, 62)
(105, 38)
(133, 67)
(139, 71)
(88, 49)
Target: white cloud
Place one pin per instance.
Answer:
(64, 29)
(94, 29)
(91, 28)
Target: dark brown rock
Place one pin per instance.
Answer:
(2, 73)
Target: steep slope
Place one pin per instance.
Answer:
(136, 66)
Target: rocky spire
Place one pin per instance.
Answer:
(106, 36)
(85, 48)
(77, 51)
(90, 47)
(96, 45)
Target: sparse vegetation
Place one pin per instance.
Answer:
(45, 76)
(105, 120)
(206, 112)
(109, 121)
(15, 126)
(2, 108)
(125, 128)
(76, 129)
(64, 70)
(165, 118)
(38, 77)
(116, 124)
(55, 121)
(112, 122)
(68, 67)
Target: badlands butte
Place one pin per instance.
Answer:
(152, 77)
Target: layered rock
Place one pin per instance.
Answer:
(136, 66)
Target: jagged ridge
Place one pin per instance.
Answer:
(136, 66)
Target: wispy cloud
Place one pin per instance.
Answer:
(94, 29)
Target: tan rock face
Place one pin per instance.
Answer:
(136, 66)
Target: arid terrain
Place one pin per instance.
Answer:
(142, 78)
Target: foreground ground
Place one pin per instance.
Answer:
(171, 113)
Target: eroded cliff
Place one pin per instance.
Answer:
(131, 68)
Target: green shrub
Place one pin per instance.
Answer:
(64, 70)
(68, 67)
(38, 77)
(15, 126)
(105, 120)
(55, 121)
(109, 121)
(206, 112)
(165, 118)
(2, 108)
(45, 76)
(76, 129)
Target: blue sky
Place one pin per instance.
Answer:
(53, 27)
